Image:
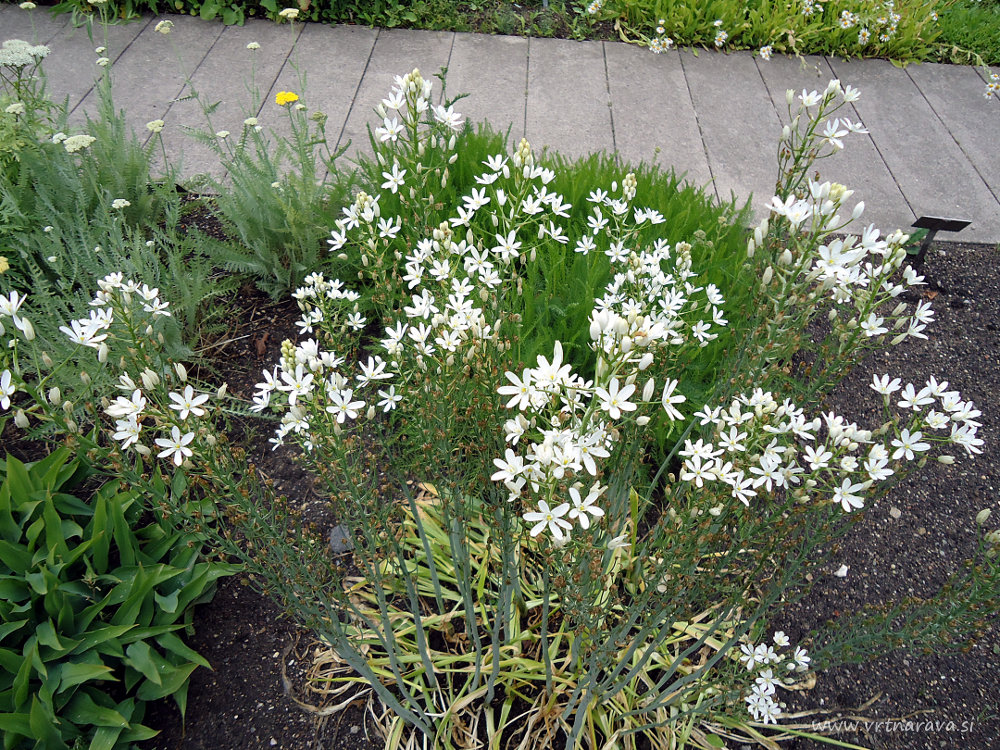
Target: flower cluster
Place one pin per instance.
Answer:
(121, 320)
(17, 54)
(762, 660)
(759, 442)
(993, 86)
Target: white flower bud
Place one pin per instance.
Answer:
(982, 516)
(21, 419)
(71, 427)
(946, 460)
(67, 406)
(768, 275)
(54, 396)
(786, 258)
(451, 143)
(85, 377)
(831, 316)
(149, 379)
(370, 414)
(47, 360)
(647, 391)
(642, 421)
(102, 353)
(28, 329)
(646, 361)
(786, 133)
(858, 210)
(751, 247)
(453, 158)
(789, 96)
(149, 330)
(142, 450)
(181, 371)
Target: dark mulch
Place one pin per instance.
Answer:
(906, 545)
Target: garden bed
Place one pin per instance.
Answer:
(904, 546)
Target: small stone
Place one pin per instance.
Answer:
(273, 742)
(895, 512)
(340, 540)
(921, 531)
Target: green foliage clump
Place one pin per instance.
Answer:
(94, 594)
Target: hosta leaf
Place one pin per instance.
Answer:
(47, 636)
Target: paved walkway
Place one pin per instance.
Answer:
(933, 148)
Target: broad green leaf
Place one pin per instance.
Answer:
(167, 603)
(47, 636)
(76, 673)
(171, 642)
(13, 589)
(10, 627)
(10, 661)
(101, 635)
(105, 738)
(16, 558)
(42, 721)
(140, 657)
(15, 724)
(83, 710)
(21, 681)
(171, 682)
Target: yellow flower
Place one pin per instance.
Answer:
(285, 97)
(4, 265)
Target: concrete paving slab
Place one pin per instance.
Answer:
(396, 53)
(493, 71)
(654, 118)
(37, 26)
(859, 165)
(738, 124)
(331, 62)
(235, 81)
(955, 93)
(935, 177)
(154, 67)
(71, 68)
(569, 109)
